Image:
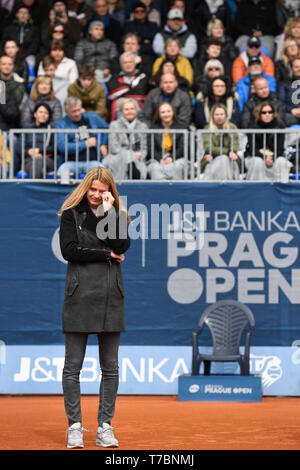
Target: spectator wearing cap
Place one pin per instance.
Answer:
(240, 64)
(245, 85)
(59, 15)
(256, 18)
(175, 28)
(112, 27)
(96, 50)
(143, 27)
(24, 33)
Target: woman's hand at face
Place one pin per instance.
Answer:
(107, 200)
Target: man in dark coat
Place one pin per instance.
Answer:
(140, 24)
(289, 93)
(113, 29)
(168, 91)
(24, 33)
(261, 93)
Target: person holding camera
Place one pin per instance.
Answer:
(59, 15)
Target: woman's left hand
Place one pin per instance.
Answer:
(107, 200)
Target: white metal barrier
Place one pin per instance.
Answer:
(189, 145)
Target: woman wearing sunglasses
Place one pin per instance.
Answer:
(264, 152)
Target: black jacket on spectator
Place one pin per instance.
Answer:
(9, 113)
(269, 141)
(259, 16)
(112, 28)
(26, 35)
(157, 151)
(37, 140)
(247, 119)
(146, 31)
(4, 20)
(283, 72)
(203, 15)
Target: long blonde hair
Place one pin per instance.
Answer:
(212, 124)
(97, 173)
(283, 55)
(34, 95)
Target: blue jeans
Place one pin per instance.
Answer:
(83, 167)
(75, 344)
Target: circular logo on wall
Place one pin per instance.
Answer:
(194, 388)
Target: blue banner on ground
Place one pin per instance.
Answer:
(202, 242)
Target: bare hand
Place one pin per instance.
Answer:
(34, 152)
(166, 161)
(91, 142)
(104, 150)
(207, 158)
(269, 161)
(233, 155)
(107, 200)
(118, 258)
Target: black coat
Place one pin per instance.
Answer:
(94, 292)
(268, 140)
(9, 113)
(259, 16)
(157, 152)
(27, 35)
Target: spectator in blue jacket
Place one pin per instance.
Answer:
(245, 86)
(83, 149)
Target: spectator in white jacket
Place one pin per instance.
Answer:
(65, 70)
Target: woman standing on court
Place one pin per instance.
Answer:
(93, 239)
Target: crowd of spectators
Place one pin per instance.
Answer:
(151, 64)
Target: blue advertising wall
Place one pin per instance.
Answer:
(201, 242)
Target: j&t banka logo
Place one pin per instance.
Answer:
(268, 367)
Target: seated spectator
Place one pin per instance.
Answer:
(220, 160)
(127, 150)
(38, 12)
(240, 65)
(219, 92)
(168, 66)
(65, 70)
(56, 33)
(84, 150)
(212, 51)
(117, 11)
(59, 14)
(89, 91)
(264, 154)
(11, 49)
(9, 112)
(256, 18)
(153, 14)
(245, 86)
(261, 92)
(202, 78)
(80, 10)
(143, 27)
(207, 10)
(96, 50)
(283, 68)
(129, 83)
(113, 30)
(166, 158)
(291, 31)
(38, 147)
(23, 32)
(173, 53)
(175, 28)
(41, 92)
(215, 30)
(13, 82)
(143, 62)
(289, 94)
(4, 19)
(168, 90)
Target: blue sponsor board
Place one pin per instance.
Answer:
(148, 370)
(219, 388)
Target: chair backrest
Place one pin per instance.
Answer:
(226, 321)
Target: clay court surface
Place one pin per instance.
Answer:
(155, 422)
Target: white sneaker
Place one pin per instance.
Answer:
(75, 436)
(105, 436)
